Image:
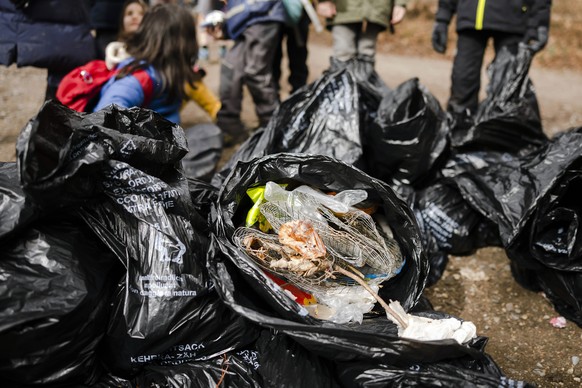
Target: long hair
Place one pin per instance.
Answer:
(166, 39)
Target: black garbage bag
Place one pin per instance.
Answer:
(362, 69)
(326, 117)
(252, 294)
(274, 360)
(531, 199)
(509, 118)
(437, 258)
(16, 209)
(57, 281)
(203, 194)
(461, 372)
(408, 141)
(125, 165)
(204, 150)
(550, 248)
(456, 226)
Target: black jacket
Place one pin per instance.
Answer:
(106, 14)
(514, 16)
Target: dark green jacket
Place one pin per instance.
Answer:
(373, 11)
(514, 16)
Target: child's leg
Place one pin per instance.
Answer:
(261, 42)
(231, 93)
(344, 41)
(367, 41)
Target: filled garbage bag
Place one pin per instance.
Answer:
(408, 140)
(203, 194)
(531, 199)
(509, 118)
(204, 150)
(362, 69)
(274, 360)
(125, 166)
(460, 372)
(57, 281)
(327, 117)
(457, 228)
(16, 210)
(252, 292)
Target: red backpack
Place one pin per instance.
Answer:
(80, 88)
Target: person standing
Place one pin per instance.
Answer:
(355, 25)
(506, 22)
(294, 38)
(255, 28)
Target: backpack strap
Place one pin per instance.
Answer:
(147, 84)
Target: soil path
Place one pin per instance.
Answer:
(479, 287)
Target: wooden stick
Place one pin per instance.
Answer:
(362, 283)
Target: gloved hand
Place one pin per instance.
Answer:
(537, 38)
(439, 37)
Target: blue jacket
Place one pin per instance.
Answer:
(127, 92)
(240, 14)
(49, 34)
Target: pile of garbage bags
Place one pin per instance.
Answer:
(301, 262)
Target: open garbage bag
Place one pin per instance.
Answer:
(121, 170)
(57, 280)
(249, 291)
(509, 118)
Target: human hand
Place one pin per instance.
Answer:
(440, 37)
(326, 9)
(398, 13)
(537, 39)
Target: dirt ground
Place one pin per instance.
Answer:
(479, 287)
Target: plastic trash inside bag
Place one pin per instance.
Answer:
(408, 140)
(509, 118)
(204, 150)
(57, 281)
(125, 164)
(316, 233)
(244, 286)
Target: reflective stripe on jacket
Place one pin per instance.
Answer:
(514, 16)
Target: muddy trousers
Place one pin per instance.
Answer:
(466, 75)
(249, 62)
